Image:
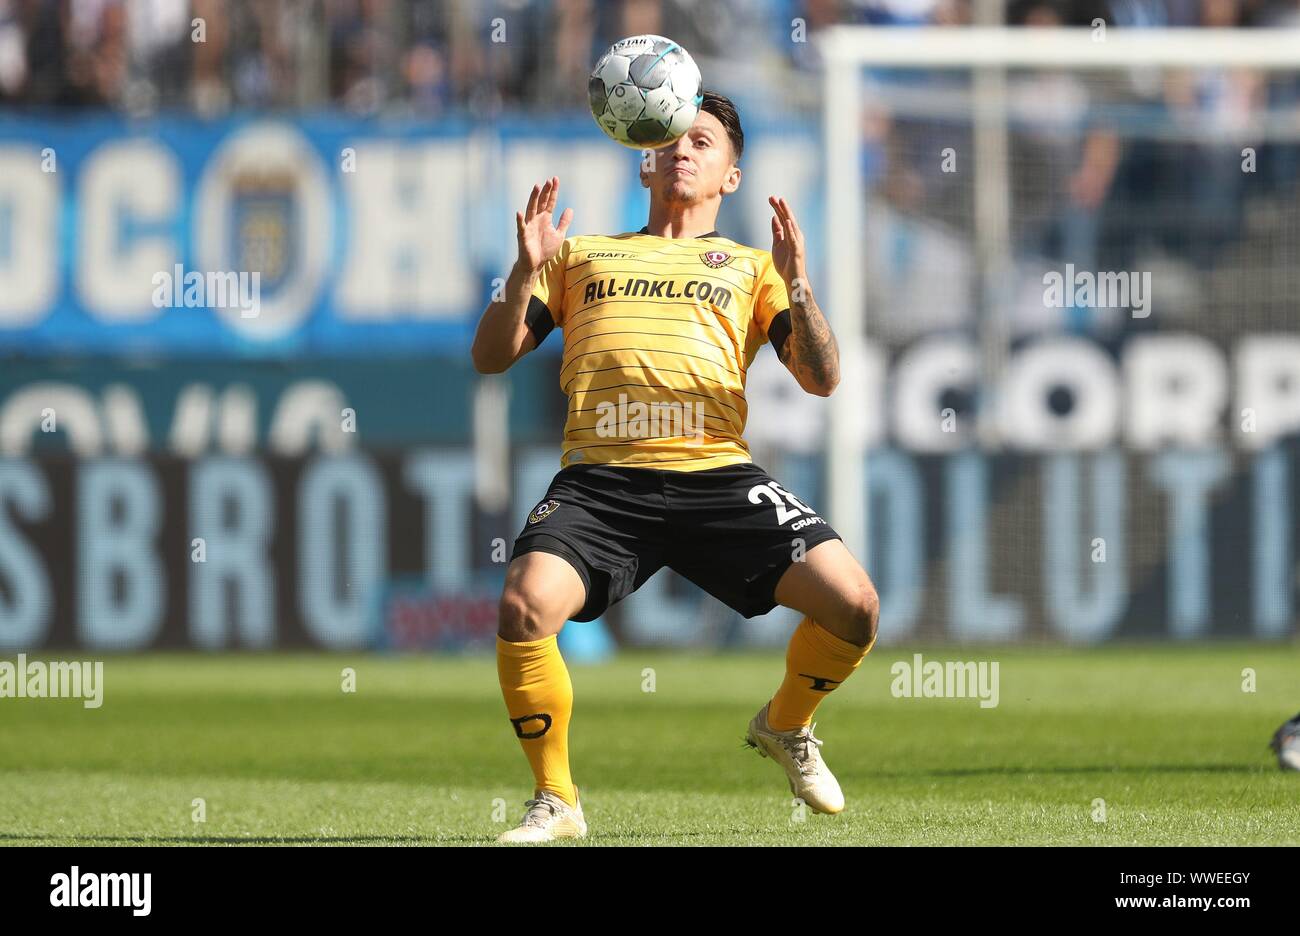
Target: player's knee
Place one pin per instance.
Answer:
(523, 617)
(864, 614)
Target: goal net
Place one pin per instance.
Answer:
(1063, 268)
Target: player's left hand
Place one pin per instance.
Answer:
(787, 243)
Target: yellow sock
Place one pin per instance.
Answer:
(815, 663)
(539, 701)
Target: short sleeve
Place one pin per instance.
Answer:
(546, 306)
(772, 305)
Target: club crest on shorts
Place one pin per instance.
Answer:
(715, 258)
(543, 510)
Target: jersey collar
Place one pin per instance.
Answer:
(646, 230)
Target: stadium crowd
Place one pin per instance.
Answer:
(1086, 185)
(438, 56)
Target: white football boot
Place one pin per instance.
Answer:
(1286, 743)
(796, 751)
(548, 818)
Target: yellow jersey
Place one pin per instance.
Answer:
(658, 336)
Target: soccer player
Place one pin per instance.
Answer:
(659, 328)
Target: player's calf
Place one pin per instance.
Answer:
(830, 587)
(858, 621)
(542, 591)
(842, 618)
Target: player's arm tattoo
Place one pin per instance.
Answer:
(811, 352)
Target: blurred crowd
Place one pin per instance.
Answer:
(1195, 172)
(1106, 169)
(431, 57)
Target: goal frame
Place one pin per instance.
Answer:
(989, 51)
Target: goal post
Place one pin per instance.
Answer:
(847, 50)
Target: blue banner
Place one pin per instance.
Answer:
(278, 237)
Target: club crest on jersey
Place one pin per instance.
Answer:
(715, 258)
(543, 510)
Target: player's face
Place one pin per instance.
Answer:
(697, 167)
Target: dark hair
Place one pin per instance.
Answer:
(722, 108)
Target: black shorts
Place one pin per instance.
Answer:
(733, 531)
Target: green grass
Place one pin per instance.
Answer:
(421, 751)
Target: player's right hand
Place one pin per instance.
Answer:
(539, 238)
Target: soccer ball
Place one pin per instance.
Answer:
(645, 91)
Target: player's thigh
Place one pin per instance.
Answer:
(542, 591)
(832, 588)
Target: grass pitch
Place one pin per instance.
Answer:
(422, 753)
